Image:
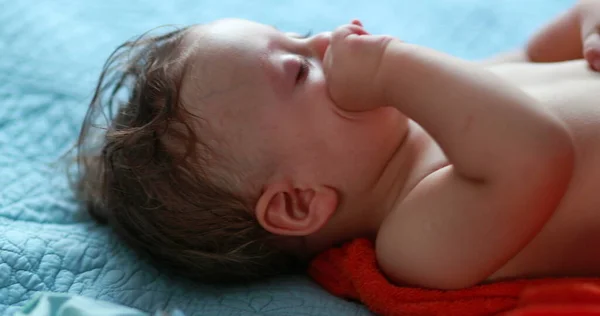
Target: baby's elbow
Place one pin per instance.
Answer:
(446, 281)
(440, 280)
(431, 274)
(453, 284)
(549, 171)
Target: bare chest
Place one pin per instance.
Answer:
(569, 244)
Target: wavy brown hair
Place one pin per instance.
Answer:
(144, 169)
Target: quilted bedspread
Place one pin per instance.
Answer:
(51, 52)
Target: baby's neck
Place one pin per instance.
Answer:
(417, 156)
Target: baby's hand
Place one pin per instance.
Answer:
(352, 67)
(590, 28)
(573, 35)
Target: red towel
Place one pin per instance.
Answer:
(351, 272)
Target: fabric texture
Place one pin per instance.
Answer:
(52, 52)
(351, 272)
(54, 304)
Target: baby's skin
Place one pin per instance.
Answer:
(461, 172)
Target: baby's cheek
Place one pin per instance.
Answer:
(317, 89)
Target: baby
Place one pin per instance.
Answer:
(239, 151)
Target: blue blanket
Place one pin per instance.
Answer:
(51, 52)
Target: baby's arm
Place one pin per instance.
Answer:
(573, 35)
(510, 165)
(511, 161)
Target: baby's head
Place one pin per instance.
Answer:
(224, 155)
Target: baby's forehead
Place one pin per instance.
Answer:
(230, 48)
(227, 37)
(223, 66)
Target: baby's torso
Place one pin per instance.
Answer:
(569, 244)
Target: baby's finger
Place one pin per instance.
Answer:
(589, 14)
(344, 31)
(591, 50)
(357, 22)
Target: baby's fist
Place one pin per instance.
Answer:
(353, 68)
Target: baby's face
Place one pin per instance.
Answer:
(264, 96)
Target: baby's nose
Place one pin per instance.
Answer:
(319, 44)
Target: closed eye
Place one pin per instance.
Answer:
(303, 70)
(300, 36)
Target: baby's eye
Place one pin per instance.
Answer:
(303, 70)
(300, 36)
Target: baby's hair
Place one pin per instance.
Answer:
(146, 172)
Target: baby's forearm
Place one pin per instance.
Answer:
(485, 126)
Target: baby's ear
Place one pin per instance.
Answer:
(288, 211)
